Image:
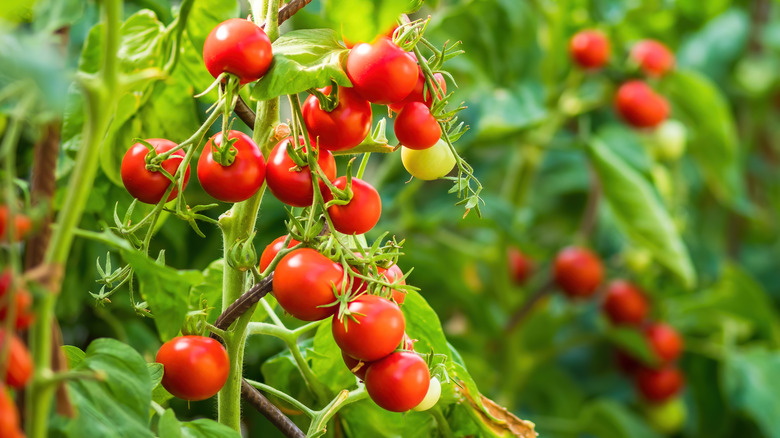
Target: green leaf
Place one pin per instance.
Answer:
(504, 112)
(422, 323)
(751, 385)
(74, 355)
(303, 59)
(52, 15)
(362, 20)
(169, 426)
(639, 212)
(713, 145)
(326, 361)
(165, 289)
(366, 419)
(155, 372)
(605, 418)
(209, 290)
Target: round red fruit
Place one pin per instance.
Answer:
(381, 72)
(304, 283)
(19, 367)
(394, 275)
(421, 91)
(273, 248)
(290, 184)
(590, 49)
(653, 57)
(194, 367)
(398, 382)
(520, 265)
(22, 225)
(9, 416)
(344, 127)
(415, 127)
(361, 213)
(640, 106)
(239, 47)
(238, 181)
(149, 186)
(659, 385)
(578, 271)
(23, 300)
(356, 366)
(625, 303)
(665, 341)
(372, 329)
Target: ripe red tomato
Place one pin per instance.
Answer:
(407, 343)
(273, 248)
(356, 366)
(23, 303)
(22, 224)
(361, 213)
(578, 271)
(421, 93)
(381, 72)
(640, 106)
(590, 48)
(659, 385)
(664, 340)
(304, 282)
(520, 266)
(653, 57)
(20, 364)
(145, 185)
(294, 187)
(373, 329)
(240, 180)
(195, 367)
(625, 303)
(9, 416)
(415, 127)
(394, 275)
(344, 127)
(398, 382)
(239, 47)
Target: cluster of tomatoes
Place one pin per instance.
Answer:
(636, 102)
(578, 272)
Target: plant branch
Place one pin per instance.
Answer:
(520, 314)
(270, 411)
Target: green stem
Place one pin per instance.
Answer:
(284, 396)
(441, 421)
(344, 398)
(101, 99)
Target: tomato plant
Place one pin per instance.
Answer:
(398, 382)
(306, 284)
(362, 210)
(415, 126)
(242, 174)
(370, 329)
(238, 47)
(344, 127)
(381, 72)
(150, 185)
(291, 183)
(194, 367)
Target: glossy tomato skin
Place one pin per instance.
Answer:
(239, 181)
(374, 328)
(9, 416)
(590, 49)
(294, 187)
(147, 186)
(273, 248)
(640, 106)
(356, 366)
(665, 341)
(394, 275)
(653, 57)
(381, 72)
(23, 303)
(429, 164)
(304, 282)
(195, 367)
(361, 213)
(398, 382)
(416, 128)
(659, 385)
(625, 304)
(520, 265)
(577, 271)
(344, 127)
(20, 365)
(421, 93)
(239, 47)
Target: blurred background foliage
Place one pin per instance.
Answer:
(532, 116)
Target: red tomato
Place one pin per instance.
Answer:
(659, 385)
(9, 416)
(23, 311)
(520, 266)
(421, 93)
(195, 367)
(273, 248)
(304, 282)
(372, 330)
(653, 57)
(381, 72)
(361, 213)
(145, 185)
(407, 343)
(22, 224)
(415, 127)
(357, 367)
(590, 49)
(640, 106)
(294, 187)
(394, 275)
(344, 127)
(665, 341)
(239, 47)
(239, 181)
(20, 364)
(398, 382)
(625, 303)
(578, 271)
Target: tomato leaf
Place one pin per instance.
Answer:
(169, 426)
(422, 323)
(751, 385)
(302, 60)
(326, 361)
(639, 212)
(366, 419)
